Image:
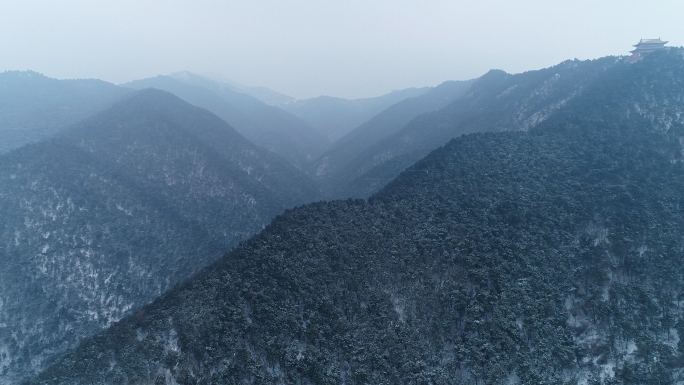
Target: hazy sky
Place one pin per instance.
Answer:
(304, 48)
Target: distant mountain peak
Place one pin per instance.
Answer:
(22, 73)
(183, 75)
(186, 75)
(265, 125)
(154, 96)
(34, 107)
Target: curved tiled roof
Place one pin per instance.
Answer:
(650, 41)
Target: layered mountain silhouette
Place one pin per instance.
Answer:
(264, 94)
(111, 213)
(267, 126)
(550, 253)
(496, 102)
(332, 167)
(34, 107)
(336, 117)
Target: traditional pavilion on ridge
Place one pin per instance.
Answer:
(646, 46)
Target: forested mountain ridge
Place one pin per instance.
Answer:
(116, 210)
(546, 256)
(264, 125)
(34, 107)
(388, 122)
(338, 116)
(496, 102)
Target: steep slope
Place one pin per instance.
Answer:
(337, 116)
(548, 256)
(496, 102)
(267, 126)
(34, 107)
(118, 209)
(388, 122)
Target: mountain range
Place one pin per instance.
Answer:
(264, 94)
(546, 250)
(117, 209)
(264, 125)
(494, 102)
(335, 117)
(333, 167)
(34, 107)
(113, 205)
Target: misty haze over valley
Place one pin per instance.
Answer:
(362, 193)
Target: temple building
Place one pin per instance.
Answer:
(646, 46)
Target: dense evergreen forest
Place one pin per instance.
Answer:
(544, 256)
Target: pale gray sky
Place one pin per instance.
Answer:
(305, 48)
